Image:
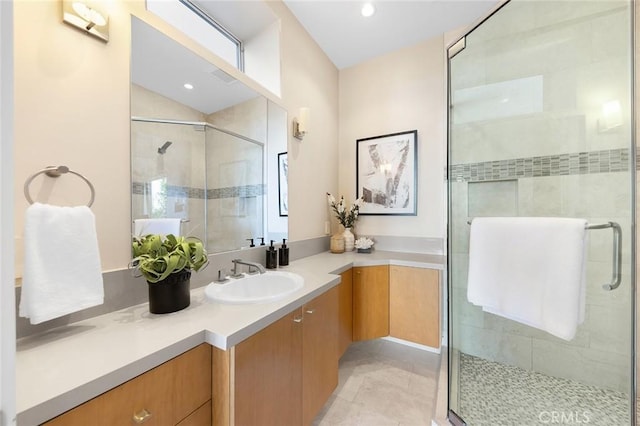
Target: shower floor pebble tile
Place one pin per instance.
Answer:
(494, 394)
(383, 383)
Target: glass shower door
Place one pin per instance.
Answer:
(541, 125)
(235, 190)
(168, 174)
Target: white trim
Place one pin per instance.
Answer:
(413, 345)
(7, 291)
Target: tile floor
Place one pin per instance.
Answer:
(383, 383)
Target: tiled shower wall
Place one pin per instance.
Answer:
(182, 164)
(214, 180)
(235, 169)
(529, 139)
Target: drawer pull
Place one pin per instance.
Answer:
(297, 319)
(142, 416)
(310, 311)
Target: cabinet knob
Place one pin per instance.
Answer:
(142, 416)
(310, 311)
(297, 319)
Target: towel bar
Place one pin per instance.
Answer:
(54, 172)
(616, 275)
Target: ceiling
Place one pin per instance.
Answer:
(162, 65)
(349, 39)
(343, 33)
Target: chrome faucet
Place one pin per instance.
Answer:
(237, 262)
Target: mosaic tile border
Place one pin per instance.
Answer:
(138, 188)
(580, 163)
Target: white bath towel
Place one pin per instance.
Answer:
(530, 270)
(62, 272)
(160, 226)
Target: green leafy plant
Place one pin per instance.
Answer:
(156, 257)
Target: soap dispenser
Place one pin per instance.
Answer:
(272, 257)
(284, 253)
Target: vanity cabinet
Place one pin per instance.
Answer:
(169, 394)
(266, 383)
(397, 301)
(345, 312)
(282, 375)
(414, 305)
(370, 302)
(319, 353)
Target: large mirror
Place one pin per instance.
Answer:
(209, 155)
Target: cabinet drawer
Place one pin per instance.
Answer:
(200, 417)
(192, 381)
(143, 400)
(162, 396)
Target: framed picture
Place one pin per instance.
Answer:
(283, 173)
(387, 174)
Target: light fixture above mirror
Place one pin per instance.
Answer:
(301, 124)
(86, 17)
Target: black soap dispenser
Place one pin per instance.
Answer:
(284, 253)
(272, 257)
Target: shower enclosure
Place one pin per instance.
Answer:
(210, 178)
(541, 124)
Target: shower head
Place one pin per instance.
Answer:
(164, 147)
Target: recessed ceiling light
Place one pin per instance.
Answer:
(188, 86)
(368, 10)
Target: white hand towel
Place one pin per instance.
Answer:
(160, 226)
(530, 270)
(62, 272)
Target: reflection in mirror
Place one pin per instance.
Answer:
(205, 157)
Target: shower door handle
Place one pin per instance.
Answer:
(616, 275)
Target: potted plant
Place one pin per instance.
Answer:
(346, 217)
(166, 263)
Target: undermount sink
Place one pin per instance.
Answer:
(267, 287)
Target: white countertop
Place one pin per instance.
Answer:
(64, 367)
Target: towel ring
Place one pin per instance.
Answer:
(54, 172)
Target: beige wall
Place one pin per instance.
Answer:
(310, 80)
(72, 108)
(403, 90)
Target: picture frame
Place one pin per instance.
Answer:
(387, 174)
(283, 188)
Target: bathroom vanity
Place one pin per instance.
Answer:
(208, 363)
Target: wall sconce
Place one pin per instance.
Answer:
(301, 124)
(611, 116)
(81, 15)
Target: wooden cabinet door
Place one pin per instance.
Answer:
(414, 305)
(370, 302)
(345, 312)
(319, 353)
(267, 375)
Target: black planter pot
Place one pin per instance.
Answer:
(170, 295)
